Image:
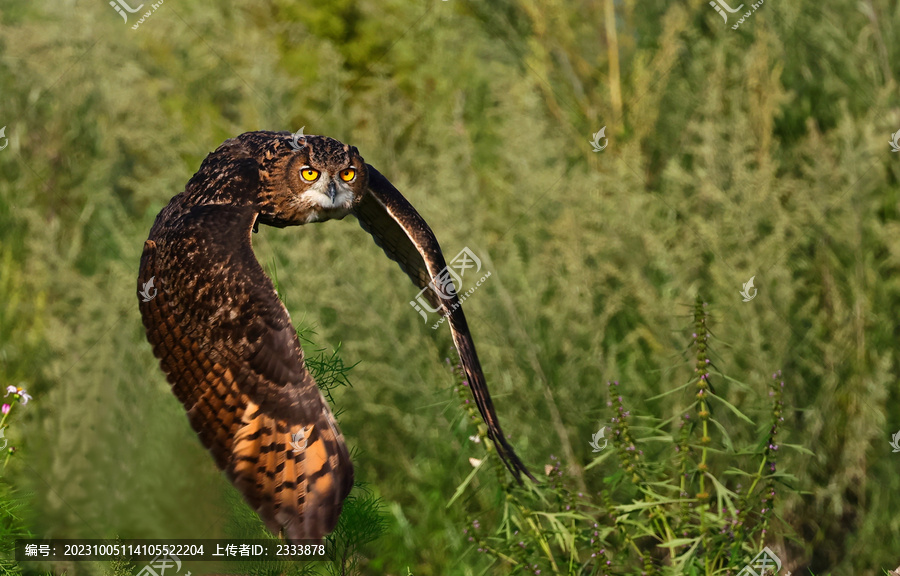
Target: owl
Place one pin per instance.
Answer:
(225, 341)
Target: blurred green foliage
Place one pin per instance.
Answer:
(758, 152)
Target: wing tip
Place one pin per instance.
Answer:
(509, 457)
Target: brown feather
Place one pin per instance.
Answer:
(233, 359)
(407, 239)
(226, 343)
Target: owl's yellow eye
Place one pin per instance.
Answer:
(309, 174)
(348, 174)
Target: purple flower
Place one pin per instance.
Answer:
(6, 408)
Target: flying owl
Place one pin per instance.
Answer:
(225, 340)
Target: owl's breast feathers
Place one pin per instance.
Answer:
(233, 359)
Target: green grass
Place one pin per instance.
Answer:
(758, 152)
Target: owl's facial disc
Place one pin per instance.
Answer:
(324, 179)
(325, 191)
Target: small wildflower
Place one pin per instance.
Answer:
(6, 408)
(18, 393)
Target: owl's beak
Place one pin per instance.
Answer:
(332, 191)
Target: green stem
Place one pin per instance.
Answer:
(3, 427)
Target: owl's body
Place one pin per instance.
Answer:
(226, 342)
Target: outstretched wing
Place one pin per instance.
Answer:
(229, 350)
(406, 238)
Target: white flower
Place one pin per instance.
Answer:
(19, 393)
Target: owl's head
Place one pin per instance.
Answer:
(312, 179)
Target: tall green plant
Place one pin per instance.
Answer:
(685, 498)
